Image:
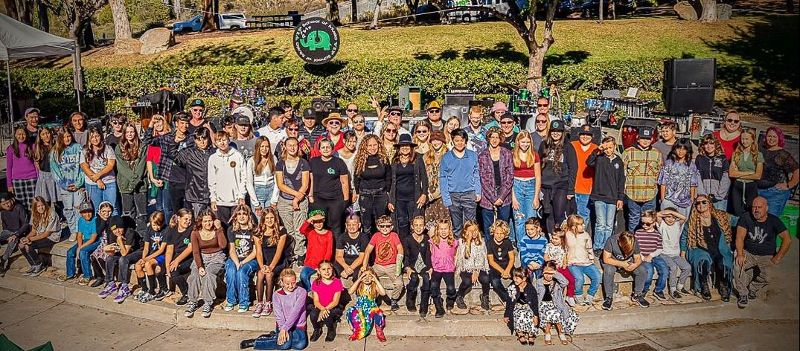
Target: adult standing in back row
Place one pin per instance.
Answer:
(459, 183)
(642, 165)
(330, 186)
(730, 133)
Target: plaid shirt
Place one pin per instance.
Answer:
(641, 173)
(169, 148)
(314, 134)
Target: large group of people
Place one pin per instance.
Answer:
(301, 210)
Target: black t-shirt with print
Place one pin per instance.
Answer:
(761, 236)
(612, 246)
(179, 240)
(352, 248)
(242, 241)
(500, 251)
(153, 239)
(326, 177)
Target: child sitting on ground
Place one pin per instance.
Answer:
(531, 247)
(388, 257)
(319, 245)
(365, 313)
(87, 243)
(556, 251)
(417, 266)
(151, 267)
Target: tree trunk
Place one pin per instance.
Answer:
(26, 11)
(709, 13)
(333, 12)
(88, 33)
(44, 20)
(613, 9)
(11, 8)
(176, 9)
(535, 68)
(122, 27)
(600, 11)
(354, 11)
(210, 19)
(375, 15)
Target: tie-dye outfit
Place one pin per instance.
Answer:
(364, 315)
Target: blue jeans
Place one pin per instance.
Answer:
(776, 199)
(524, 192)
(462, 209)
(582, 202)
(298, 340)
(635, 210)
(605, 221)
(594, 277)
(86, 264)
(658, 264)
(98, 196)
(503, 213)
(305, 276)
(263, 195)
(237, 282)
(164, 200)
(71, 200)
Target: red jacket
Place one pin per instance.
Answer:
(319, 247)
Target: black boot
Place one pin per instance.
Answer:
(317, 326)
(411, 300)
(423, 307)
(331, 335)
(705, 292)
(437, 302)
(485, 302)
(247, 343)
(724, 290)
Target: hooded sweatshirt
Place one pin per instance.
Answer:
(67, 168)
(226, 179)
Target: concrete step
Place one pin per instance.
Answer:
(621, 318)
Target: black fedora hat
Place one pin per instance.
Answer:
(405, 140)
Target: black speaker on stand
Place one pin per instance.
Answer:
(689, 85)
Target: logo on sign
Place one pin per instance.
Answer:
(316, 41)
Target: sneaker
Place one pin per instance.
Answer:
(752, 296)
(660, 296)
(267, 309)
(124, 293)
(571, 301)
(243, 309)
(29, 271)
(675, 294)
(190, 308)
(742, 301)
(168, 293)
(96, 283)
(83, 281)
(37, 270)
(207, 308)
(227, 307)
(315, 335)
(63, 278)
(182, 301)
(685, 292)
(578, 300)
(395, 306)
(460, 303)
(640, 300)
(379, 334)
(159, 296)
(145, 298)
(257, 311)
(108, 290)
(607, 304)
(588, 300)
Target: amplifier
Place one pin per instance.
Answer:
(323, 104)
(461, 99)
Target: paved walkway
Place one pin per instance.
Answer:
(31, 320)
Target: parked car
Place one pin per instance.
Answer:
(231, 21)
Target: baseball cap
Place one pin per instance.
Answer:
(116, 222)
(85, 207)
(645, 133)
(241, 119)
(198, 102)
(433, 104)
(31, 110)
(309, 113)
(556, 126)
(585, 130)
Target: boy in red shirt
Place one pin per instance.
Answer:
(319, 245)
(388, 257)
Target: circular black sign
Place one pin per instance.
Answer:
(316, 41)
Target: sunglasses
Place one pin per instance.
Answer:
(394, 113)
(734, 121)
(197, 110)
(422, 132)
(292, 129)
(384, 226)
(434, 111)
(391, 131)
(352, 110)
(542, 105)
(541, 121)
(336, 123)
(507, 122)
(702, 202)
(358, 121)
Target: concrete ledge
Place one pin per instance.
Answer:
(661, 316)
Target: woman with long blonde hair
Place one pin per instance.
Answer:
(45, 232)
(389, 137)
(747, 166)
(260, 176)
(422, 134)
(270, 244)
(526, 188)
(435, 209)
(372, 176)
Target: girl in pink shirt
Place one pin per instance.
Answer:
(327, 309)
(443, 260)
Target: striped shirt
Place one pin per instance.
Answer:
(649, 242)
(641, 173)
(532, 250)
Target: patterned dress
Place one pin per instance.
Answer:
(435, 210)
(365, 314)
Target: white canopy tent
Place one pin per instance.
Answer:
(21, 41)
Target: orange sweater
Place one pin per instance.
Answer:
(585, 175)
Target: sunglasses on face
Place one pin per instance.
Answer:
(542, 105)
(702, 202)
(358, 121)
(647, 223)
(197, 110)
(541, 121)
(434, 111)
(293, 129)
(384, 226)
(394, 113)
(336, 123)
(734, 121)
(422, 132)
(391, 131)
(507, 122)
(352, 110)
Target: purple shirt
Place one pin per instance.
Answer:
(490, 191)
(19, 167)
(290, 308)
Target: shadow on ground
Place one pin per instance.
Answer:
(228, 54)
(505, 52)
(766, 78)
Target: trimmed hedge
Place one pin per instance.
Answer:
(348, 81)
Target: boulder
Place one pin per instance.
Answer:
(724, 11)
(685, 11)
(156, 40)
(127, 46)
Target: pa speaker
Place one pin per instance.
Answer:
(323, 104)
(689, 85)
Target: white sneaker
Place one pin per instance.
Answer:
(571, 301)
